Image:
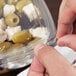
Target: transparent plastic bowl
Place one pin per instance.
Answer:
(42, 20)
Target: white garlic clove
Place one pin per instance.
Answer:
(29, 10)
(41, 32)
(11, 31)
(8, 9)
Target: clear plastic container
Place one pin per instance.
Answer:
(35, 19)
(40, 24)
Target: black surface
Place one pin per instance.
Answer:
(53, 6)
(14, 72)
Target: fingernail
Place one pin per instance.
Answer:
(38, 48)
(62, 42)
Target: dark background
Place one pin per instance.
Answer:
(53, 6)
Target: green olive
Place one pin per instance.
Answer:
(12, 1)
(2, 3)
(22, 37)
(12, 20)
(5, 46)
(21, 4)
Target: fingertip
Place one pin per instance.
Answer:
(42, 50)
(38, 48)
(60, 42)
(63, 41)
(68, 40)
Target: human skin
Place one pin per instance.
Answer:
(66, 33)
(47, 61)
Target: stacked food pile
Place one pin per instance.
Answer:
(21, 28)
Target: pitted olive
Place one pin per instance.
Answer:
(12, 20)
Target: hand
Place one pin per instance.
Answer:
(48, 62)
(66, 24)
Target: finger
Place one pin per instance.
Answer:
(53, 61)
(36, 68)
(74, 26)
(65, 20)
(68, 40)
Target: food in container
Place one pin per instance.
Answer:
(22, 37)
(2, 24)
(23, 25)
(11, 31)
(8, 9)
(3, 35)
(12, 20)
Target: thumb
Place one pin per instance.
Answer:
(55, 64)
(68, 40)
